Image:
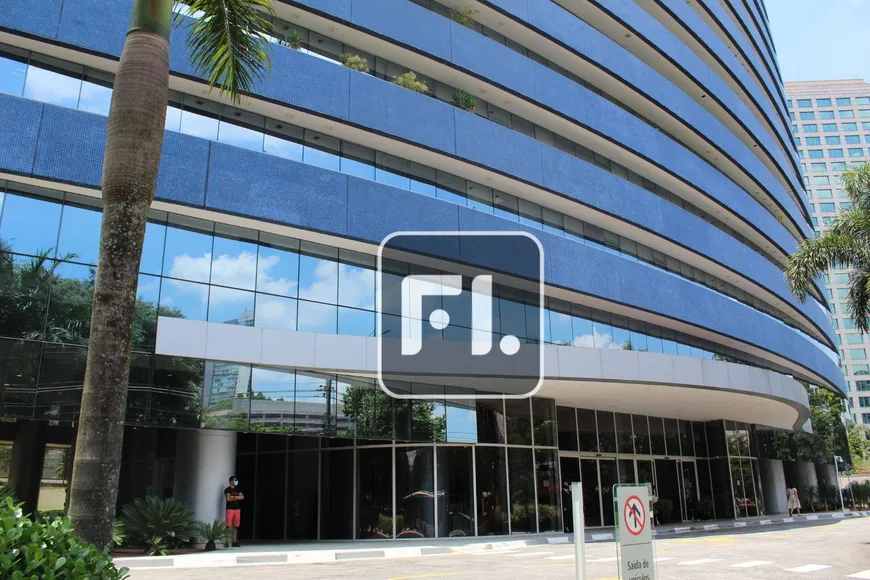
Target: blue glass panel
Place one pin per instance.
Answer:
(277, 271)
(152, 250)
(356, 322)
(231, 306)
(320, 158)
(173, 119)
(583, 332)
(561, 331)
(12, 75)
(275, 312)
(51, 87)
(394, 179)
(282, 148)
(318, 280)
(188, 254)
(184, 299)
(80, 234)
(240, 136)
(145, 321)
(30, 226)
(199, 125)
(95, 98)
(234, 263)
(461, 421)
(357, 168)
(315, 317)
(423, 187)
(69, 307)
(356, 286)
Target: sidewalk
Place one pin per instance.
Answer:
(318, 552)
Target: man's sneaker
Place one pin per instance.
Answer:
(236, 545)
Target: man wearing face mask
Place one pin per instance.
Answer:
(234, 497)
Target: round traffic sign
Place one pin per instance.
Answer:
(634, 515)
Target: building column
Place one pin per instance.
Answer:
(773, 486)
(204, 461)
(28, 455)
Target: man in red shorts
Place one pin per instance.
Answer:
(234, 497)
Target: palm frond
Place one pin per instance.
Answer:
(228, 42)
(859, 298)
(856, 183)
(852, 223)
(816, 255)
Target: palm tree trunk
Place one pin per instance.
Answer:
(132, 156)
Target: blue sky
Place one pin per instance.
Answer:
(821, 39)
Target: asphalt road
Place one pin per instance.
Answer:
(832, 550)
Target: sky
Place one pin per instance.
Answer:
(821, 39)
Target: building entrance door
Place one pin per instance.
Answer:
(669, 488)
(689, 484)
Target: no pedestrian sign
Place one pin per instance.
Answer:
(637, 561)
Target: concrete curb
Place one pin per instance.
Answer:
(221, 558)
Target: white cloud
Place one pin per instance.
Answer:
(591, 340)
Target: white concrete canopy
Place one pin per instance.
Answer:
(605, 379)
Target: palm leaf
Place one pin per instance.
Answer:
(856, 183)
(817, 255)
(859, 298)
(228, 42)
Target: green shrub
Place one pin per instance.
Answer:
(704, 509)
(464, 16)
(410, 82)
(5, 492)
(119, 533)
(158, 524)
(464, 101)
(48, 551)
(355, 62)
(49, 515)
(663, 508)
(211, 533)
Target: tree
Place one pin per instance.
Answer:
(859, 445)
(846, 244)
(228, 43)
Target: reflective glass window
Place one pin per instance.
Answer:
(606, 432)
(28, 280)
(201, 122)
(849, 114)
(356, 322)
(243, 130)
(856, 152)
(231, 306)
(29, 225)
(275, 312)
(804, 103)
(52, 81)
(316, 317)
(321, 150)
(829, 127)
(277, 266)
(152, 249)
(69, 308)
(13, 71)
(80, 234)
(187, 299)
(145, 319)
(641, 434)
(357, 160)
(392, 170)
(234, 261)
(96, 93)
(807, 115)
(826, 114)
(227, 396)
(519, 422)
(544, 417)
(493, 499)
(356, 286)
(853, 139)
(283, 140)
(187, 254)
(844, 102)
(835, 140)
(415, 472)
(318, 277)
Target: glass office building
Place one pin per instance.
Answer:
(831, 127)
(656, 168)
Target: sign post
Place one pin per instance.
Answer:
(579, 530)
(634, 523)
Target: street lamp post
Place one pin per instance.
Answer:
(839, 487)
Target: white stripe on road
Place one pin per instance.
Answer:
(699, 562)
(664, 558)
(812, 518)
(568, 557)
(613, 559)
(864, 574)
(808, 568)
(752, 564)
(524, 554)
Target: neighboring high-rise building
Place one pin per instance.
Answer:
(647, 147)
(831, 127)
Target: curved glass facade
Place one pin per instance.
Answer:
(665, 220)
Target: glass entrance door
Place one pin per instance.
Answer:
(669, 489)
(689, 481)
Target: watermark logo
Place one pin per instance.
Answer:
(461, 313)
